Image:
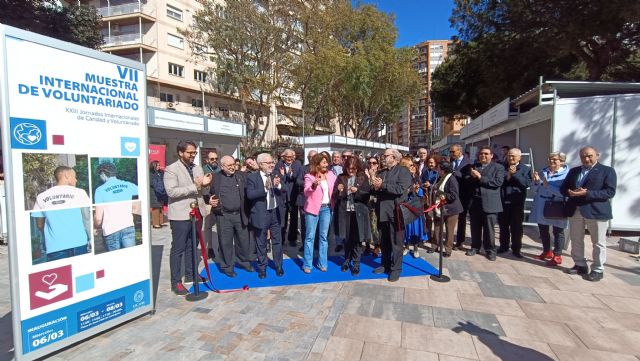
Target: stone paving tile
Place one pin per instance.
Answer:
(339, 348)
(492, 305)
(461, 270)
(457, 286)
(456, 319)
(629, 278)
(493, 348)
(443, 357)
(620, 341)
(491, 286)
(374, 351)
(566, 353)
(404, 312)
(564, 313)
(383, 293)
(571, 298)
(621, 304)
(446, 299)
(577, 284)
(534, 330)
(494, 267)
(527, 281)
(369, 329)
(439, 340)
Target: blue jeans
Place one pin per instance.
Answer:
(121, 239)
(324, 220)
(66, 253)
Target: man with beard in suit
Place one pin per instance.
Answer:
(390, 187)
(292, 174)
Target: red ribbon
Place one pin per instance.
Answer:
(196, 214)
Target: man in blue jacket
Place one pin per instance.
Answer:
(589, 189)
(514, 193)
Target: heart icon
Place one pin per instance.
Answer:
(130, 146)
(32, 138)
(50, 278)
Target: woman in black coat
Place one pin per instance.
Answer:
(447, 190)
(157, 194)
(351, 193)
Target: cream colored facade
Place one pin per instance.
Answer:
(147, 31)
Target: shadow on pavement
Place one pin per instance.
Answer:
(504, 350)
(156, 262)
(6, 337)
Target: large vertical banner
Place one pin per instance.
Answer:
(75, 159)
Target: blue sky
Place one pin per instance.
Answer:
(418, 20)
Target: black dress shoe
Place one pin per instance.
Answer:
(210, 254)
(517, 254)
(280, 272)
(471, 252)
(355, 270)
(345, 267)
(459, 247)
(595, 276)
(578, 270)
(491, 256)
(393, 276)
(502, 250)
(231, 274)
(247, 268)
(379, 270)
(262, 275)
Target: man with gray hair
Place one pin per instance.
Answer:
(514, 193)
(292, 175)
(589, 189)
(390, 187)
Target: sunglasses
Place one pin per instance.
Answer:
(373, 162)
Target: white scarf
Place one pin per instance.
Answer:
(441, 191)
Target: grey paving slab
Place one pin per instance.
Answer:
(404, 312)
(492, 286)
(460, 270)
(453, 319)
(375, 292)
(630, 278)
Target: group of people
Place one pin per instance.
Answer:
(259, 207)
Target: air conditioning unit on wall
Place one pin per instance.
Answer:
(171, 105)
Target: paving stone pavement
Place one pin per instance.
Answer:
(510, 309)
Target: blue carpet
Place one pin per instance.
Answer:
(293, 274)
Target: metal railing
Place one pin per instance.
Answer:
(124, 39)
(125, 9)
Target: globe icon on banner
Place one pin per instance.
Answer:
(27, 134)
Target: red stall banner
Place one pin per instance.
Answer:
(157, 152)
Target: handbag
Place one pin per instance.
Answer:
(554, 209)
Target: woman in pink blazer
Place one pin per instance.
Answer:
(318, 187)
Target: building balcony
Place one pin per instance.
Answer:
(127, 10)
(129, 40)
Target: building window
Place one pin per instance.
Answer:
(177, 70)
(197, 103)
(166, 97)
(174, 13)
(175, 41)
(200, 76)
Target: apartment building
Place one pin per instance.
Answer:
(147, 31)
(419, 126)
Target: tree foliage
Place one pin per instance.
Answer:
(77, 23)
(334, 59)
(504, 46)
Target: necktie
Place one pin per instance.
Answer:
(456, 163)
(271, 201)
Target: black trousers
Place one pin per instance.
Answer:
(290, 227)
(230, 228)
(273, 225)
(482, 228)
(181, 245)
(391, 245)
(511, 230)
(462, 223)
(352, 245)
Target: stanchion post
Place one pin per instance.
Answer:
(196, 295)
(440, 277)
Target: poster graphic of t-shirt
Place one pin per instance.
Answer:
(63, 229)
(62, 196)
(114, 190)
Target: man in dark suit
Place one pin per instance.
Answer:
(486, 179)
(514, 193)
(462, 171)
(264, 192)
(589, 189)
(228, 204)
(292, 175)
(390, 188)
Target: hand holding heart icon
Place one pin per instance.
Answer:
(50, 278)
(130, 146)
